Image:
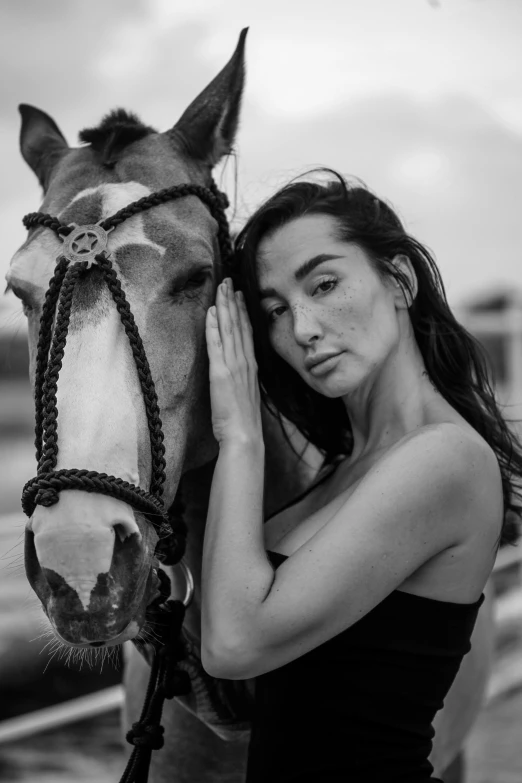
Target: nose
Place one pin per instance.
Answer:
(306, 328)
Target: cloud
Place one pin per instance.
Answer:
(422, 103)
(47, 49)
(450, 168)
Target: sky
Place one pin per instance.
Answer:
(420, 99)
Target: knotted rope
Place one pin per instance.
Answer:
(165, 682)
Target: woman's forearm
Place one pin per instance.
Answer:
(237, 576)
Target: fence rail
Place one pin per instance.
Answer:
(61, 714)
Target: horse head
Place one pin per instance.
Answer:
(91, 557)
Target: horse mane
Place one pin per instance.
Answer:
(116, 131)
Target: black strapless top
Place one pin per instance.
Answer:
(359, 708)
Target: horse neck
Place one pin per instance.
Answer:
(195, 492)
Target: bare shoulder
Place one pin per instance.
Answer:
(458, 451)
(462, 477)
(443, 463)
(456, 461)
(460, 446)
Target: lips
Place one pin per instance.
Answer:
(321, 363)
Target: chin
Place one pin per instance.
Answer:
(335, 387)
(334, 394)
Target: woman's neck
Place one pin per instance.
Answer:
(398, 400)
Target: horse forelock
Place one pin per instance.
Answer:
(116, 131)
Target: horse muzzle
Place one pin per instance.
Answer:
(94, 584)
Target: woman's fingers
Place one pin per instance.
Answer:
(225, 327)
(235, 322)
(237, 348)
(234, 390)
(246, 330)
(213, 336)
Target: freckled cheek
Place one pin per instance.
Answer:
(358, 316)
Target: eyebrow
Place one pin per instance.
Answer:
(302, 271)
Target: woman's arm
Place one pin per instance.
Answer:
(236, 574)
(235, 565)
(419, 500)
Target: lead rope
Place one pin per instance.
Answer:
(166, 680)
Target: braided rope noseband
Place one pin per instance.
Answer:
(84, 246)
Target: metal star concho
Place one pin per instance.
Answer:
(84, 243)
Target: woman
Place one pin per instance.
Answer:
(353, 606)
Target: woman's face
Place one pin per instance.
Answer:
(329, 314)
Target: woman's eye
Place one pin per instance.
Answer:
(272, 315)
(325, 286)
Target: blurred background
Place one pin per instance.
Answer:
(420, 99)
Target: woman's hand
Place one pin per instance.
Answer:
(234, 388)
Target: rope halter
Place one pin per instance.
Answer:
(83, 247)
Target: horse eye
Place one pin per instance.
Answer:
(199, 278)
(22, 296)
(192, 282)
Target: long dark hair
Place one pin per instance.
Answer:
(455, 361)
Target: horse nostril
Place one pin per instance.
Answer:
(125, 528)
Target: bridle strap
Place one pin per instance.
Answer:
(211, 196)
(45, 487)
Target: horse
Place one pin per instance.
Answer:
(91, 557)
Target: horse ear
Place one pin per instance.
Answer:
(208, 127)
(41, 141)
